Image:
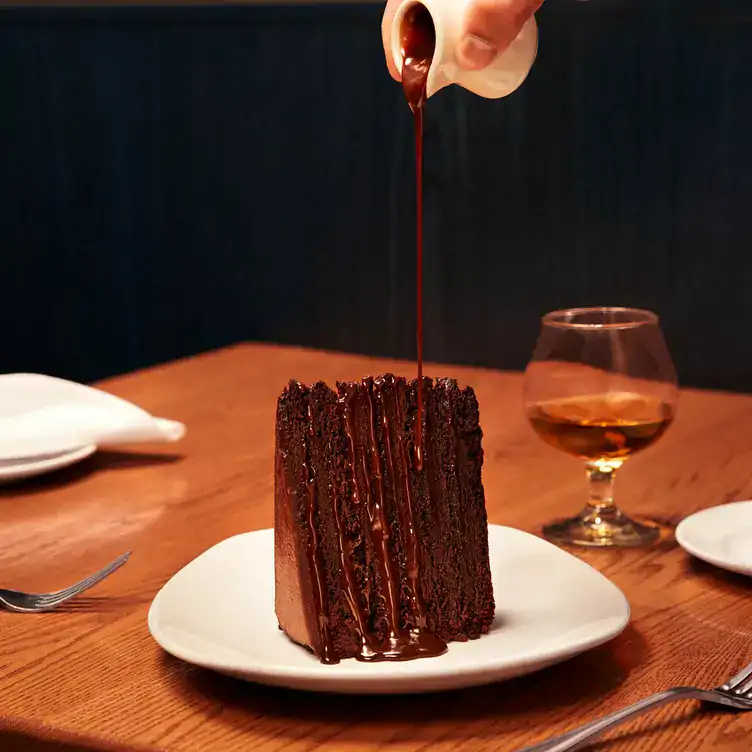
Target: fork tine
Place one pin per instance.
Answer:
(92, 577)
(96, 577)
(743, 687)
(85, 584)
(735, 681)
(80, 587)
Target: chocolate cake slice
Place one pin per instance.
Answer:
(381, 551)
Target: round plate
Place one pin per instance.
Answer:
(218, 612)
(720, 535)
(18, 469)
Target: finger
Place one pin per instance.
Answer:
(490, 27)
(386, 37)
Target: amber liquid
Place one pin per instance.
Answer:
(601, 427)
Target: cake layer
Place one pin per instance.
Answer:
(381, 552)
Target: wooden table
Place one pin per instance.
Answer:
(92, 669)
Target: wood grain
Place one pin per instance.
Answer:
(92, 668)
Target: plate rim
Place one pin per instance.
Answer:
(359, 683)
(686, 524)
(29, 466)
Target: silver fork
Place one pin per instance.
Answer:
(26, 603)
(735, 693)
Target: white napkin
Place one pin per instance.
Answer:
(42, 415)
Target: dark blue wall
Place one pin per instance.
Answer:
(177, 179)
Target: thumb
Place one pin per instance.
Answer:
(490, 26)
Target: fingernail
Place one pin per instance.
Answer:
(474, 53)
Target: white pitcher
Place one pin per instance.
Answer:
(505, 74)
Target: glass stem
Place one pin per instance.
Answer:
(601, 487)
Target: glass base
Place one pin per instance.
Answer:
(602, 528)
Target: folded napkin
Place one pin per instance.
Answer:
(42, 415)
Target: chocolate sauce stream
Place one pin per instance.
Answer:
(313, 550)
(367, 647)
(418, 38)
(419, 282)
(379, 522)
(401, 643)
(407, 513)
(349, 585)
(357, 460)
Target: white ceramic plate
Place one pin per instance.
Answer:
(218, 612)
(720, 535)
(18, 469)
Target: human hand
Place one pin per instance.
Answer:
(489, 27)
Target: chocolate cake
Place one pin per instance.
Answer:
(381, 550)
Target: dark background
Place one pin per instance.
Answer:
(177, 179)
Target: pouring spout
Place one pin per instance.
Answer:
(431, 28)
(438, 79)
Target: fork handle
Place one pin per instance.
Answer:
(578, 737)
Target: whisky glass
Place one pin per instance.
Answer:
(601, 386)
